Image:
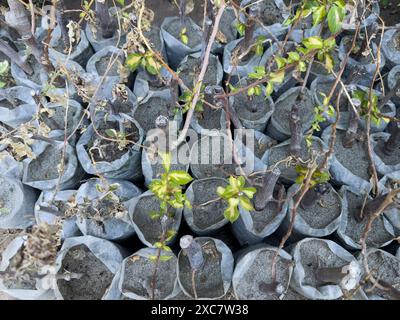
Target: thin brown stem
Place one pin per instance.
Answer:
(200, 78)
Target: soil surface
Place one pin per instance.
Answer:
(252, 108)
(151, 228)
(263, 217)
(110, 150)
(354, 229)
(208, 280)
(194, 35)
(221, 168)
(315, 254)
(56, 120)
(146, 113)
(209, 118)
(386, 268)
(279, 153)
(208, 215)
(390, 11)
(346, 156)
(284, 106)
(8, 197)
(395, 43)
(139, 273)
(44, 167)
(259, 273)
(322, 212)
(188, 71)
(95, 276)
(103, 64)
(270, 13)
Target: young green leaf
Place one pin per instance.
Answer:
(183, 36)
(233, 182)
(319, 15)
(249, 191)
(180, 177)
(250, 91)
(277, 77)
(220, 191)
(152, 66)
(257, 90)
(302, 67)
(259, 50)
(241, 181)
(99, 188)
(166, 158)
(165, 258)
(170, 235)
(245, 204)
(185, 39)
(293, 57)
(241, 28)
(269, 89)
(232, 212)
(329, 43)
(112, 133)
(329, 62)
(114, 186)
(259, 73)
(154, 215)
(314, 42)
(280, 62)
(133, 61)
(334, 20)
(4, 66)
(228, 192)
(166, 248)
(158, 245)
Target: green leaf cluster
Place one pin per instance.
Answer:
(363, 98)
(108, 191)
(187, 97)
(120, 136)
(183, 36)
(333, 12)
(259, 46)
(168, 189)
(235, 194)
(241, 28)
(145, 60)
(260, 73)
(318, 176)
